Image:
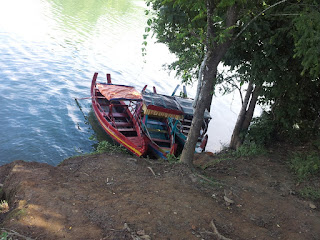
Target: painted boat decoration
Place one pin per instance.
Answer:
(156, 110)
(118, 108)
(182, 127)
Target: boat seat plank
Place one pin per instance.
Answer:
(126, 129)
(160, 140)
(167, 150)
(123, 124)
(119, 115)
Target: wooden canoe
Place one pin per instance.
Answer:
(182, 127)
(157, 109)
(118, 108)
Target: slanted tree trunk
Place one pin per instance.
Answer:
(200, 82)
(204, 96)
(245, 116)
(215, 53)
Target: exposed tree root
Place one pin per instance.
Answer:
(151, 171)
(216, 233)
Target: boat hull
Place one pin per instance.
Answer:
(117, 121)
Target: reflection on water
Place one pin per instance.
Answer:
(49, 51)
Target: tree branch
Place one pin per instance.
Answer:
(252, 20)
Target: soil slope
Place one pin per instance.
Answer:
(116, 196)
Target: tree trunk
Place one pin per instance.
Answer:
(200, 78)
(215, 53)
(204, 96)
(250, 111)
(245, 116)
(235, 138)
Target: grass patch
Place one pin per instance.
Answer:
(105, 146)
(5, 236)
(102, 147)
(305, 165)
(249, 150)
(209, 181)
(172, 159)
(310, 193)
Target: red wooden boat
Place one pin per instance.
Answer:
(118, 108)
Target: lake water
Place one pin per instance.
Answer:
(49, 50)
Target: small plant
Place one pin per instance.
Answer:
(316, 143)
(310, 193)
(172, 158)
(93, 137)
(262, 130)
(4, 236)
(250, 149)
(106, 146)
(305, 165)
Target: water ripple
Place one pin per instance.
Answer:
(49, 51)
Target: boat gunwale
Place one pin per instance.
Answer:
(113, 132)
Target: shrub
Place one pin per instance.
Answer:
(305, 165)
(261, 130)
(310, 193)
(105, 146)
(250, 149)
(172, 158)
(5, 236)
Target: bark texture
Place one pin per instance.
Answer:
(215, 53)
(245, 116)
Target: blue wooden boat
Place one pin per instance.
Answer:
(156, 111)
(182, 127)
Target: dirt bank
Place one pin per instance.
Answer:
(122, 197)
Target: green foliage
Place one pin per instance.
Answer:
(93, 137)
(316, 143)
(182, 26)
(270, 127)
(249, 150)
(305, 164)
(307, 39)
(262, 130)
(226, 3)
(310, 193)
(5, 236)
(274, 51)
(279, 50)
(172, 158)
(105, 146)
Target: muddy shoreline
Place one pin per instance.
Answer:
(118, 196)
